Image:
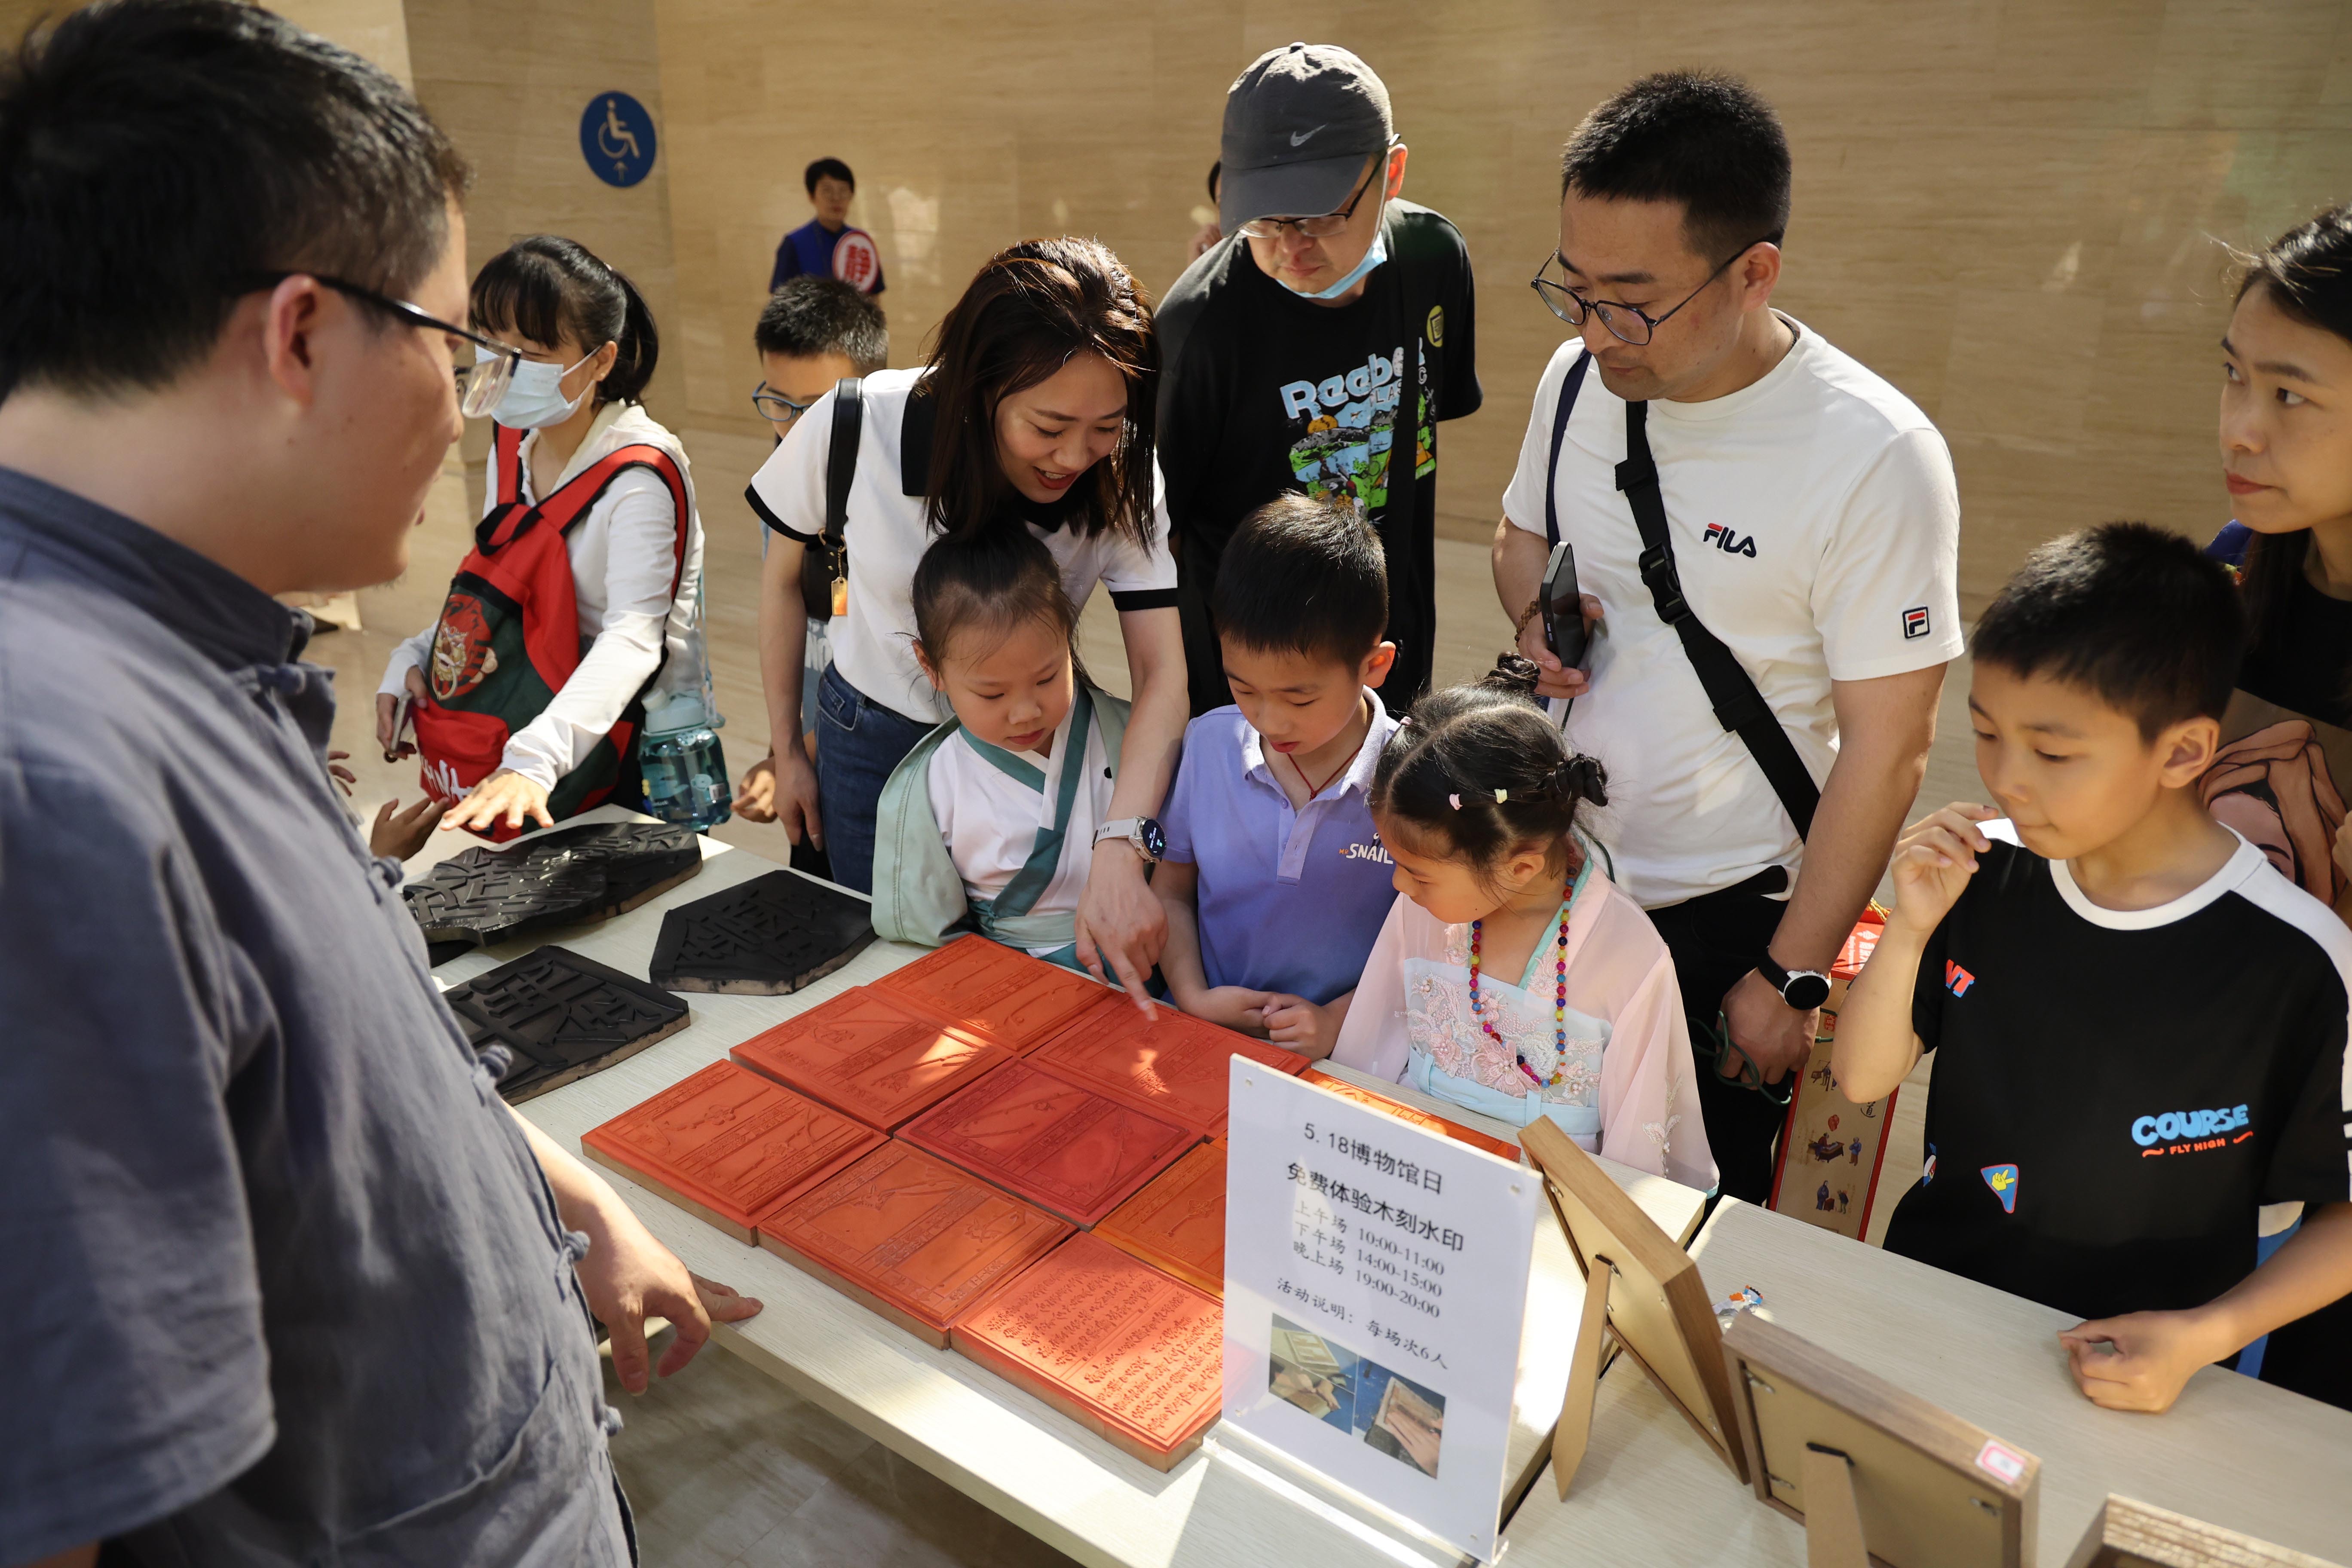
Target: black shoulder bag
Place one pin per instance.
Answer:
(826, 584)
(1730, 689)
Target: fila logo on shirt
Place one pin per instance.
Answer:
(1957, 980)
(2191, 1132)
(1915, 622)
(1730, 542)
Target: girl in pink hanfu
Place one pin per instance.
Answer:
(1514, 978)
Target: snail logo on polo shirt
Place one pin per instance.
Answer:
(2191, 1132)
(1375, 850)
(1730, 542)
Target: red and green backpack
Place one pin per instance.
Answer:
(508, 636)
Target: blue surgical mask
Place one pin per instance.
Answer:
(534, 399)
(1362, 269)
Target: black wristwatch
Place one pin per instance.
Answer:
(1803, 989)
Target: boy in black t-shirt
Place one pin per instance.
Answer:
(2142, 1023)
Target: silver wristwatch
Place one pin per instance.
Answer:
(1140, 832)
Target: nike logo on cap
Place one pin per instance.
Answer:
(1298, 138)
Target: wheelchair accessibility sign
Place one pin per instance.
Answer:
(616, 137)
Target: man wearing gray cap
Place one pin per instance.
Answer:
(1315, 347)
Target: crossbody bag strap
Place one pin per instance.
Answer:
(823, 592)
(1562, 407)
(1738, 706)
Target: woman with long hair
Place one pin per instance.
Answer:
(1036, 410)
(2286, 457)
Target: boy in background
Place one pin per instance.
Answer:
(1274, 880)
(2142, 1023)
(816, 249)
(812, 332)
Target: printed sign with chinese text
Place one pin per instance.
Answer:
(1376, 1278)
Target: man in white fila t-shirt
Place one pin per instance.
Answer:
(1811, 530)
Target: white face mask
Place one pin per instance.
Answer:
(1377, 253)
(534, 399)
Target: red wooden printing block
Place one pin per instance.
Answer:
(727, 1144)
(986, 989)
(870, 1055)
(1112, 1343)
(1174, 1066)
(1054, 1142)
(1419, 1118)
(910, 1236)
(1177, 1224)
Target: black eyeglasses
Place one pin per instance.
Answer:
(480, 384)
(773, 405)
(1324, 225)
(1629, 323)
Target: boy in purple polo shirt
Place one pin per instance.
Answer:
(1275, 882)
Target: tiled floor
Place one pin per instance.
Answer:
(725, 1466)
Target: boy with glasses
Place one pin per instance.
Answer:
(812, 332)
(1767, 536)
(1315, 348)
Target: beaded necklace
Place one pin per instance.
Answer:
(1559, 1003)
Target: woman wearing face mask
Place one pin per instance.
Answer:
(2286, 762)
(1037, 410)
(577, 606)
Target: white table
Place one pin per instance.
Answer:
(1231, 1503)
(2233, 1451)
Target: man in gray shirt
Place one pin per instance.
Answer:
(283, 1279)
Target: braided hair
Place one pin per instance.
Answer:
(1482, 770)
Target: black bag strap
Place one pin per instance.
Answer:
(841, 463)
(1738, 706)
(840, 468)
(1568, 388)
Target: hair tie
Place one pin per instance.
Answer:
(1454, 801)
(1501, 795)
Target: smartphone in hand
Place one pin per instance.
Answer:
(404, 729)
(1563, 607)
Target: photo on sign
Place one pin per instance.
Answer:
(1309, 1370)
(1399, 1417)
(1394, 1415)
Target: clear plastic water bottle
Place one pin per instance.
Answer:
(684, 767)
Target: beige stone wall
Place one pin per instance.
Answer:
(2013, 210)
(377, 30)
(507, 79)
(2016, 211)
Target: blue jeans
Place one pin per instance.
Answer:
(858, 742)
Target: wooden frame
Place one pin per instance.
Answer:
(1876, 1475)
(2129, 1534)
(1640, 1286)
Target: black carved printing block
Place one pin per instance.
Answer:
(761, 938)
(482, 895)
(562, 1017)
